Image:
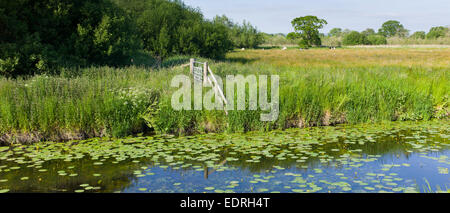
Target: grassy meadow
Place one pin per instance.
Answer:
(317, 87)
(347, 58)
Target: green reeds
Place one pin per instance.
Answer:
(116, 102)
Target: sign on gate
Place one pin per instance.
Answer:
(198, 74)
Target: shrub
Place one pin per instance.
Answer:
(418, 35)
(354, 38)
(376, 39)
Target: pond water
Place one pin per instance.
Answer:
(389, 157)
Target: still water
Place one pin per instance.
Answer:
(389, 157)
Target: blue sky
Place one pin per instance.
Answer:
(274, 16)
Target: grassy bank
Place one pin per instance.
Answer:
(99, 102)
(317, 87)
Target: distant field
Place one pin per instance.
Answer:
(340, 58)
(317, 87)
(403, 46)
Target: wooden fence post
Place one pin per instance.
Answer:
(205, 72)
(191, 64)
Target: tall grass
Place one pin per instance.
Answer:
(324, 96)
(317, 87)
(98, 102)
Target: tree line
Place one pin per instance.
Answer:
(306, 33)
(43, 36)
(389, 29)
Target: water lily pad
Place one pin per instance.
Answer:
(262, 190)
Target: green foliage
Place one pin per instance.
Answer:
(297, 38)
(39, 36)
(307, 28)
(302, 43)
(161, 24)
(437, 32)
(216, 41)
(332, 41)
(243, 36)
(392, 28)
(413, 41)
(119, 102)
(98, 102)
(368, 32)
(43, 36)
(249, 36)
(169, 28)
(376, 39)
(418, 35)
(436, 36)
(292, 36)
(277, 40)
(335, 32)
(366, 37)
(355, 38)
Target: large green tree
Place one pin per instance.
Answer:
(392, 28)
(436, 32)
(243, 35)
(307, 28)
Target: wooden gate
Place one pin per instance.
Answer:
(202, 72)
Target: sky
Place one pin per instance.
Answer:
(275, 16)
